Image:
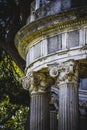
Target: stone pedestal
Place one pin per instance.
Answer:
(39, 112)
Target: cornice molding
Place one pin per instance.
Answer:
(49, 25)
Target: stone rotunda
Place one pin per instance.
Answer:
(54, 44)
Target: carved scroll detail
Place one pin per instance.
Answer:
(65, 72)
(37, 82)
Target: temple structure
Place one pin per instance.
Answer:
(54, 44)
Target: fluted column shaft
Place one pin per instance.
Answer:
(66, 74)
(53, 120)
(38, 85)
(39, 112)
(68, 96)
(68, 107)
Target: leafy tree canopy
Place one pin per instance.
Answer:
(13, 15)
(14, 101)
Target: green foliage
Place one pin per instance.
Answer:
(13, 117)
(13, 99)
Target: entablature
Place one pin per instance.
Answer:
(49, 26)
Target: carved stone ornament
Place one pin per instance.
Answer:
(53, 70)
(37, 82)
(68, 72)
(65, 72)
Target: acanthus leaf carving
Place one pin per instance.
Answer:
(53, 70)
(37, 82)
(64, 72)
(68, 72)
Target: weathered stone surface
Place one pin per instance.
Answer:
(58, 40)
(37, 50)
(86, 35)
(37, 82)
(48, 7)
(38, 85)
(54, 44)
(68, 107)
(68, 96)
(39, 112)
(67, 81)
(53, 120)
(73, 39)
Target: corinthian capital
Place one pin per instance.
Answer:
(53, 70)
(64, 72)
(68, 72)
(37, 82)
(27, 80)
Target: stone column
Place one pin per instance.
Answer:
(53, 120)
(68, 96)
(67, 81)
(39, 111)
(39, 86)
